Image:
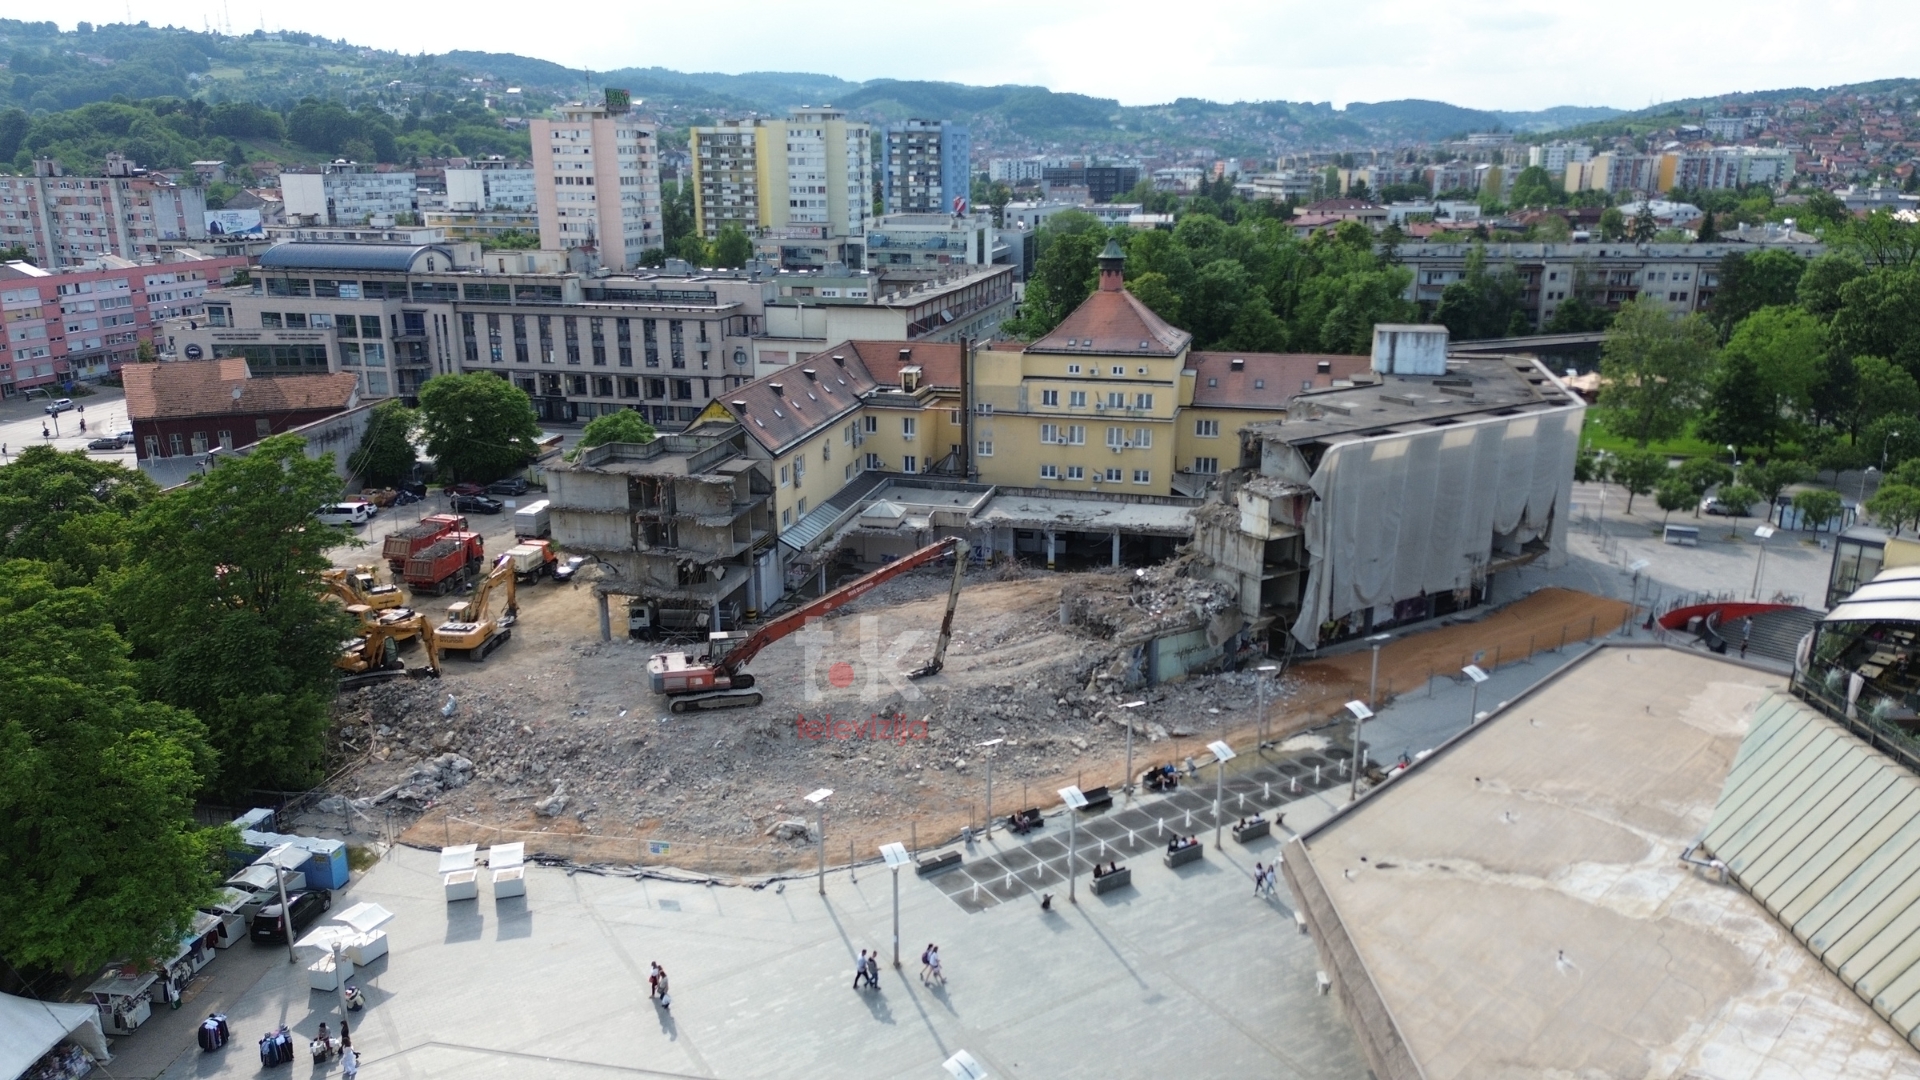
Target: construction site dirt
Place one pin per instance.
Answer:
(557, 740)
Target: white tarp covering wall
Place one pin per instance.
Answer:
(1417, 511)
(29, 1029)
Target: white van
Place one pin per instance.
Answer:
(346, 513)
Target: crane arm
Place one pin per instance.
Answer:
(946, 624)
(780, 627)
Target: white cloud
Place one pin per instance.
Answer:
(1492, 54)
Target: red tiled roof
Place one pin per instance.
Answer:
(1280, 375)
(1113, 322)
(186, 388)
(791, 404)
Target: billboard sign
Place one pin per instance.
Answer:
(234, 223)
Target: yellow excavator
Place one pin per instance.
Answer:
(374, 656)
(471, 626)
(359, 586)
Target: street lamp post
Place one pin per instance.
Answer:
(989, 744)
(819, 800)
(1473, 672)
(1862, 500)
(1764, 533)
(1263, 672)
(1074, 799)
(1360, 712)
(1130, 706)
(896, 857)
(1373, 676)
(1222, 753)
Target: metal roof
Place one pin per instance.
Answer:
(1825, 832)
(302, 255)
(1892, 596)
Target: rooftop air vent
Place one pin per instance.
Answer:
(1238, 364)
(811, 374)
(839, 359)
(1324, 367)
(779, 389)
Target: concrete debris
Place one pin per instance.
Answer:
(788, 830)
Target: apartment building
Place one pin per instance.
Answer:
(927, 168)
(579, 344)
(87, 322)
(1681, 277)
(1101, 182)
(69, 221)
(597, 182)
(1016, 170)
(492, 183)
(347, 193)
(1556, 156)
(798, 185)
(930, 240)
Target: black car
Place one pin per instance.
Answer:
(512, 485)
(111, 442)
(269, 927)
(476, 504)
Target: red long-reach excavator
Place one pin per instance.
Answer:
(719, 680)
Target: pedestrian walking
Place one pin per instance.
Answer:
(666, 999)
(1191, 769)
(653, 980)
(43, 431)
(1259, 878)
(1746, 635)
(346, 1040)
(933, 962)
(926, 962)
(873, 970)
(349, 1063)
(1273, 872)
(860, 969)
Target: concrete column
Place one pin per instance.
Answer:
(823, 579)
(753, 588)
(1116, 547)
(606, 622)
(1049, 549)
(715, 626)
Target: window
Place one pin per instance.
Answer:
(907, 424)
(1143, 401)
(1258, 384)
(1077, 399)
(577, 384)
(494, 352)
(270, 320)
(262, 428)
(656, 388)
(872, 424)
(1076, 472)
(677, 342)
(177, 446)
(650, 341)
(1049, 433)
(786, 517)
(546, 339)
(226, 439)
(1142, 438)
(153, 446)
(1049, 472)
(199, 442)
(1116, 436)
(597, 337)
(1050, 398)
(623, 336)
(1076, 435)
(296, 320)
(520, 339)
(683, 389)
(784, 476)
(1113, 475)
(602, 386)
(629, 388)
(1142, 476)
(826, 450)
(1073, 369)
(983, 448)
(874, 462)
(572, 328)
(1206, 464)
(1116, 400)
(369, 326)
(1207, 429)
(909, 464)
(1119, 369)
(801, 506)
(983, 409)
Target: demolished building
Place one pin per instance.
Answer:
(1397, 498)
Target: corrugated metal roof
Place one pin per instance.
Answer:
(301, 255)
(1824, 831)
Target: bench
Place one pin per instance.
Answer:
(1119, 878)
(1098, 798)
(1252, 830)
(1183, 856)
(933, 864)
(1025, 820)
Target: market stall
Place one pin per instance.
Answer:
(369, 942)
(229, 910)
(44, 1040)
(123, 998)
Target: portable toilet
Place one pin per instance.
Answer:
(328, 867)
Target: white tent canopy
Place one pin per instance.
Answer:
(28, 1029)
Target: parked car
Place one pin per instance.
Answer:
(55, 408)
(270, 927)
(477, 504)
(261, 886)
(568, 568)
(465, 487)
(111, 442)
(1719, 506)
(512, 485)
(345, 513)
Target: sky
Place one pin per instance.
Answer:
(1486, 54)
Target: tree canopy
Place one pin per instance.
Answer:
(624, 426)
(1655, 369)
(477, 426)
(386, 455)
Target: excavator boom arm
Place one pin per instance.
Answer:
(775, 629)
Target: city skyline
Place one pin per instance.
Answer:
(1489, 54)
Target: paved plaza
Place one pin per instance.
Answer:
(1185, 971)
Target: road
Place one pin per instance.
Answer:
(22, 420)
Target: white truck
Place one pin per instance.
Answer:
(532, 559)
(530, 521)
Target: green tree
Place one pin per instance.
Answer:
(1482, 304)
(222, 604)
(68, 511)
(693, 249)
(1673, 493)
(1891, 440)
(1707, 233)
(1740, 497)
(1895, 506)
(1817, 506)
(1590, 466)
(1535, 187)
(1879, 315)
(386, 454)
(1751, 282)
(731, 248)
(1702, 474)
(1772, 477)
(1062, 278)
(1656, 370)
(477, 426)
(676, 212)
(1880, 240)
(1740, 410)
(1818, 290)
(1613, 225)
(1824, 208)
(1879, 389)
(100, 857)
(513, 240)
(1639, 471)
(625, 426)
(1644, 228)
(1154, 290)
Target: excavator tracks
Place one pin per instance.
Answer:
(718, 699)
